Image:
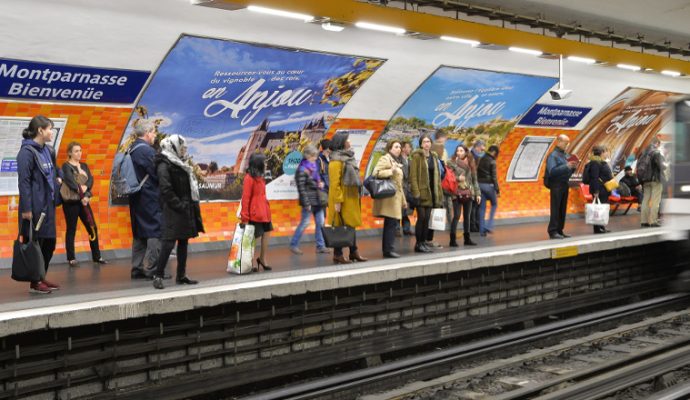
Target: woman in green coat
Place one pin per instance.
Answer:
(425, 185)
(344, 203)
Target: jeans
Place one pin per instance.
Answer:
(319, 217)
(166, 248)
(457, 206)
(73, 212)
(488, 194)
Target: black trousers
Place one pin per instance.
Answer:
(390, 226)
(73, 212)
(421, 228)
(338, 251)
(166, 248)
(559, 207)
(466, 208)
(47, 249)
(474, 216)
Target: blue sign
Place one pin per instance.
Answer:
(8, 165)
(42, 81)
(554, 116)
(291, 162)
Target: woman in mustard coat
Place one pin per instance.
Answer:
(344, 203)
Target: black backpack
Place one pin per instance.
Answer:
(644, 167)
(585, 174)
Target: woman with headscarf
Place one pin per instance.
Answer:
(179, 199)
(255, 208)
(344, 203)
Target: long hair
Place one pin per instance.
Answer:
(257, 165)
(455, 153)
(36, 123)
(424, 136)
(338, 141)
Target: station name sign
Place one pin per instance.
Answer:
(56, 82)
(548, 115)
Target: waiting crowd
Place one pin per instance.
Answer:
(165, 210)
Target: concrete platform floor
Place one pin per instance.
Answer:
(89, 281)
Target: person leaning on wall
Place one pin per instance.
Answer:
(179, 199)
(255, 208)
(390, 208)
(76, 203)
(344, 201)
(425, 185)
(39, 182)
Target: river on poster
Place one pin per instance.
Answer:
(468, 104)
(232, 99)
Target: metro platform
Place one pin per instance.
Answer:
(92, 293)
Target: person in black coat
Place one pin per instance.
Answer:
(144, 207)
(179, 199)
(39, 181)
(312, 198)
(599, 173)
(79, 180)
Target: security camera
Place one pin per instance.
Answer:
(560, 93)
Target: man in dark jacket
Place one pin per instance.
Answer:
(631, 181)
(558, 172)
(653, 188)
(488, 185)
(144, 205)
(476, 153)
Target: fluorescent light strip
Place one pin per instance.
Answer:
(584, 60)
(381, 28)
(685, 188)
(281, 13)
(472, 43)
(525, 51)
(332, 27)
(674, 74)
(629, 67)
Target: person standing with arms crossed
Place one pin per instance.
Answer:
(559, 169)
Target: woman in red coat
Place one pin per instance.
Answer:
(255, 208)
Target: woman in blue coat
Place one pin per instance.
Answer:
(599, 173)
(39, 191)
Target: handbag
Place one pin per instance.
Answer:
(27, 259)
(597, 213)
(338, 236)
(611, 185)
(379, 188)
(465, 195)
(68, 195)
(323, 198)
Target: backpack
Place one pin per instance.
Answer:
(123, 177)
(449, 184)
(585, 174)
(644, 167)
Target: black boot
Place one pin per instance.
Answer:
(453, 240)
(468, 241)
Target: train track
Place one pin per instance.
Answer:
(350, 384)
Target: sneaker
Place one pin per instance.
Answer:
(158, 283)
(323, 250)
(296, 250)
(51, 286)
(39, 287)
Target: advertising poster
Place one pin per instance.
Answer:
(11, 129)
(233, 99)
(625, 126)
(468, 104)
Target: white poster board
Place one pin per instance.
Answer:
(359, 139)
(10, 141)
(528, 159)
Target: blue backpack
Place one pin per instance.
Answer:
(123, 177)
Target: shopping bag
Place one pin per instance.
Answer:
(241, 250)
(27, 258)
(597, 213)
(437, 222)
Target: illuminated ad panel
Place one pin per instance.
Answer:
(232, 99)
(625, 126)
(468, 104)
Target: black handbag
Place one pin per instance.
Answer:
(27, 259)
(338, 236)
(379, 188)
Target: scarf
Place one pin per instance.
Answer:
(173, 148)
(311, 168)
(350, 167)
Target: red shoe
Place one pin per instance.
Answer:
(39, 287)
(51, 286)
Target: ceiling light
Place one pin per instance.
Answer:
(685, 188)
(674, 74)
(629, 67)
(472, 43)
(582, 59)
(281, 13)
(525, 51)
(330, 26)
(381, 28)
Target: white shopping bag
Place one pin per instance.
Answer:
(241, 250)
(597, 213)
(437, 222)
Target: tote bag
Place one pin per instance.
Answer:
(437, 222)
(241, 250)
(338, 236)
(27, 259)
(597, 213)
